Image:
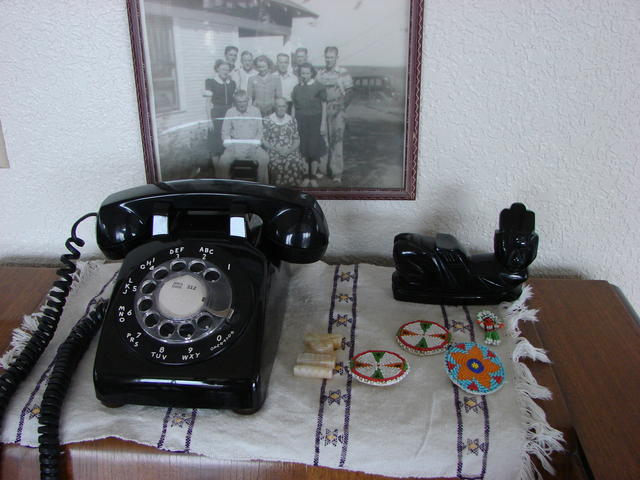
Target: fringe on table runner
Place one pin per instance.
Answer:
(541, 438)
(22, 334)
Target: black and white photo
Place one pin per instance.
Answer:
(315, 94)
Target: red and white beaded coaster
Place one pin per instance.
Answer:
(378, 367)
(423, 337)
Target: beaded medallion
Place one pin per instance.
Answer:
(379, 367)
(474, 368)
(423, 338)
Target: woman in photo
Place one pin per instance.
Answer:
(264, 87)
(281, 139)
(221, 89)
(309, 102)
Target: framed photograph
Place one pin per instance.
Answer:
(321, 95)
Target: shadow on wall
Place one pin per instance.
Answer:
(447, 214)
(556, 272)
(381, 261)
(50, 262)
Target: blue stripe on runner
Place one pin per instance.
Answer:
(27, 407)
(456, 401)
(470, 322)
(460, 445)
(445, 317)
(485, 405)
(316, 457)
(165, 422)
(187, 440)
(347, 407)
(485, 410)
(178, 419)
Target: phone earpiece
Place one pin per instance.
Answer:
(118, 231)
(298, 236)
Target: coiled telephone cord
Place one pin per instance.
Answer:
(65, 363)
(48, 322)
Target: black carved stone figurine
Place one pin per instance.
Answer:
(439, 271)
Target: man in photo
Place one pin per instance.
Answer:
(242, 138)
(287, 79)
(231, 57)
(299, 58)
(245, 71)
(339, 86)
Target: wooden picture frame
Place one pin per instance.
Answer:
(175, 44)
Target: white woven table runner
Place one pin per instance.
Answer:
(423, 426)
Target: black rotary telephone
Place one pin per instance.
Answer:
(194, 319)
(196, 311)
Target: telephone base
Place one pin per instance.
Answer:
(421, 294)
(245, 411)
(246, 396)
(229, 368)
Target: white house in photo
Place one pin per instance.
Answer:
(184, 39)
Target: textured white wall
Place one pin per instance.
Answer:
(533, 101)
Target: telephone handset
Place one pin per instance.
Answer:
(295, 229)
(195, 315)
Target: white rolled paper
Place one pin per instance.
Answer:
(319, 346)
(319, 359)
(312, 371)
(334, 338)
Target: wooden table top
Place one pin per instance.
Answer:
(591, 334)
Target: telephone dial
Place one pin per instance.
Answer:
(196, 310)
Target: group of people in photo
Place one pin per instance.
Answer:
(280, 113)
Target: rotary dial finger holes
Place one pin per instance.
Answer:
(183, 300)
